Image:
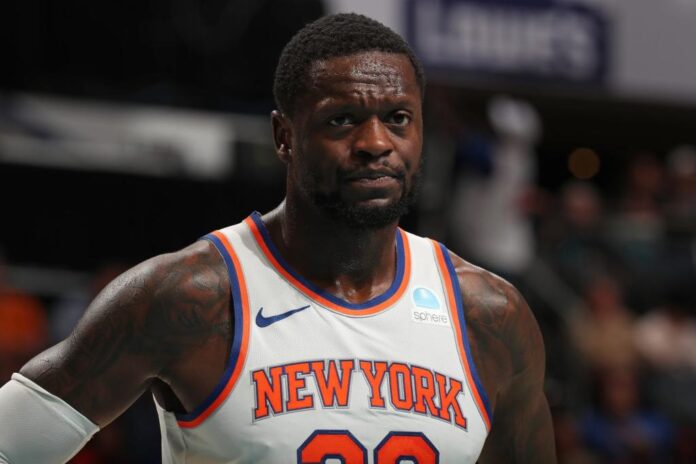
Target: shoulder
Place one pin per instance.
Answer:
(162, 307)
(508, 351)
(489, 298)
(180, 291)
(192, 274)
(146, 324)
(499, 316)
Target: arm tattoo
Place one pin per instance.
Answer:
(509, 352)
(142, 325)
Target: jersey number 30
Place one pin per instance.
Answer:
(396, 448)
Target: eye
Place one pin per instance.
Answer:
(399, 118)
(342, 120)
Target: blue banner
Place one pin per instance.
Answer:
(538, 39)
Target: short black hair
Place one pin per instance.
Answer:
(329, 37)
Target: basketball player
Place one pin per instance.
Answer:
(320, 331)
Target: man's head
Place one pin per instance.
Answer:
(349, 125)
(330, 37)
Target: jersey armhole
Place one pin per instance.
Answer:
(239, 307)
(456, 309)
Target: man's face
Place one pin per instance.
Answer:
(357, 138)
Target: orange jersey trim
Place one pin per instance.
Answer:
(460, 333)
(244, 344)
(323, 300)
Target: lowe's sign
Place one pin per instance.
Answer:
(540, 39)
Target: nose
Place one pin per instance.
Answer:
(372, 139)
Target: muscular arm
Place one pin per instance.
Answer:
(509, 352)
(522, 430)
(146, 325)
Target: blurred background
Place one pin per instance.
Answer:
(560, 153)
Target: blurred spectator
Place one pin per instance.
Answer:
(569, 442)
(23, 326)
(489, 220)
(666, 338)
(681, 201)
(619, 430)
(572, 238)
(636, 229)
(604, 332)
(679, 270)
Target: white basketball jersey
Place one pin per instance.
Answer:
(315, 379)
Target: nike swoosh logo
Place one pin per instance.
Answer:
(263, 321)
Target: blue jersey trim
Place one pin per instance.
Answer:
(238, 323)
(462, 328)
(396, 283)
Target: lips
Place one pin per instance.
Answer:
(382, 181)
(377, 180)
(373, 175)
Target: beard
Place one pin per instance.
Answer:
(363, 217)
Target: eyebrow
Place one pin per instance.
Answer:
(328, 104)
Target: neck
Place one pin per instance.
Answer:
(353, 264)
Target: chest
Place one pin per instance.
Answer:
(310, 374)
(310, 379)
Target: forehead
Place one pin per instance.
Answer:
(363, 73)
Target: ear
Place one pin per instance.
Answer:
(282, 135)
